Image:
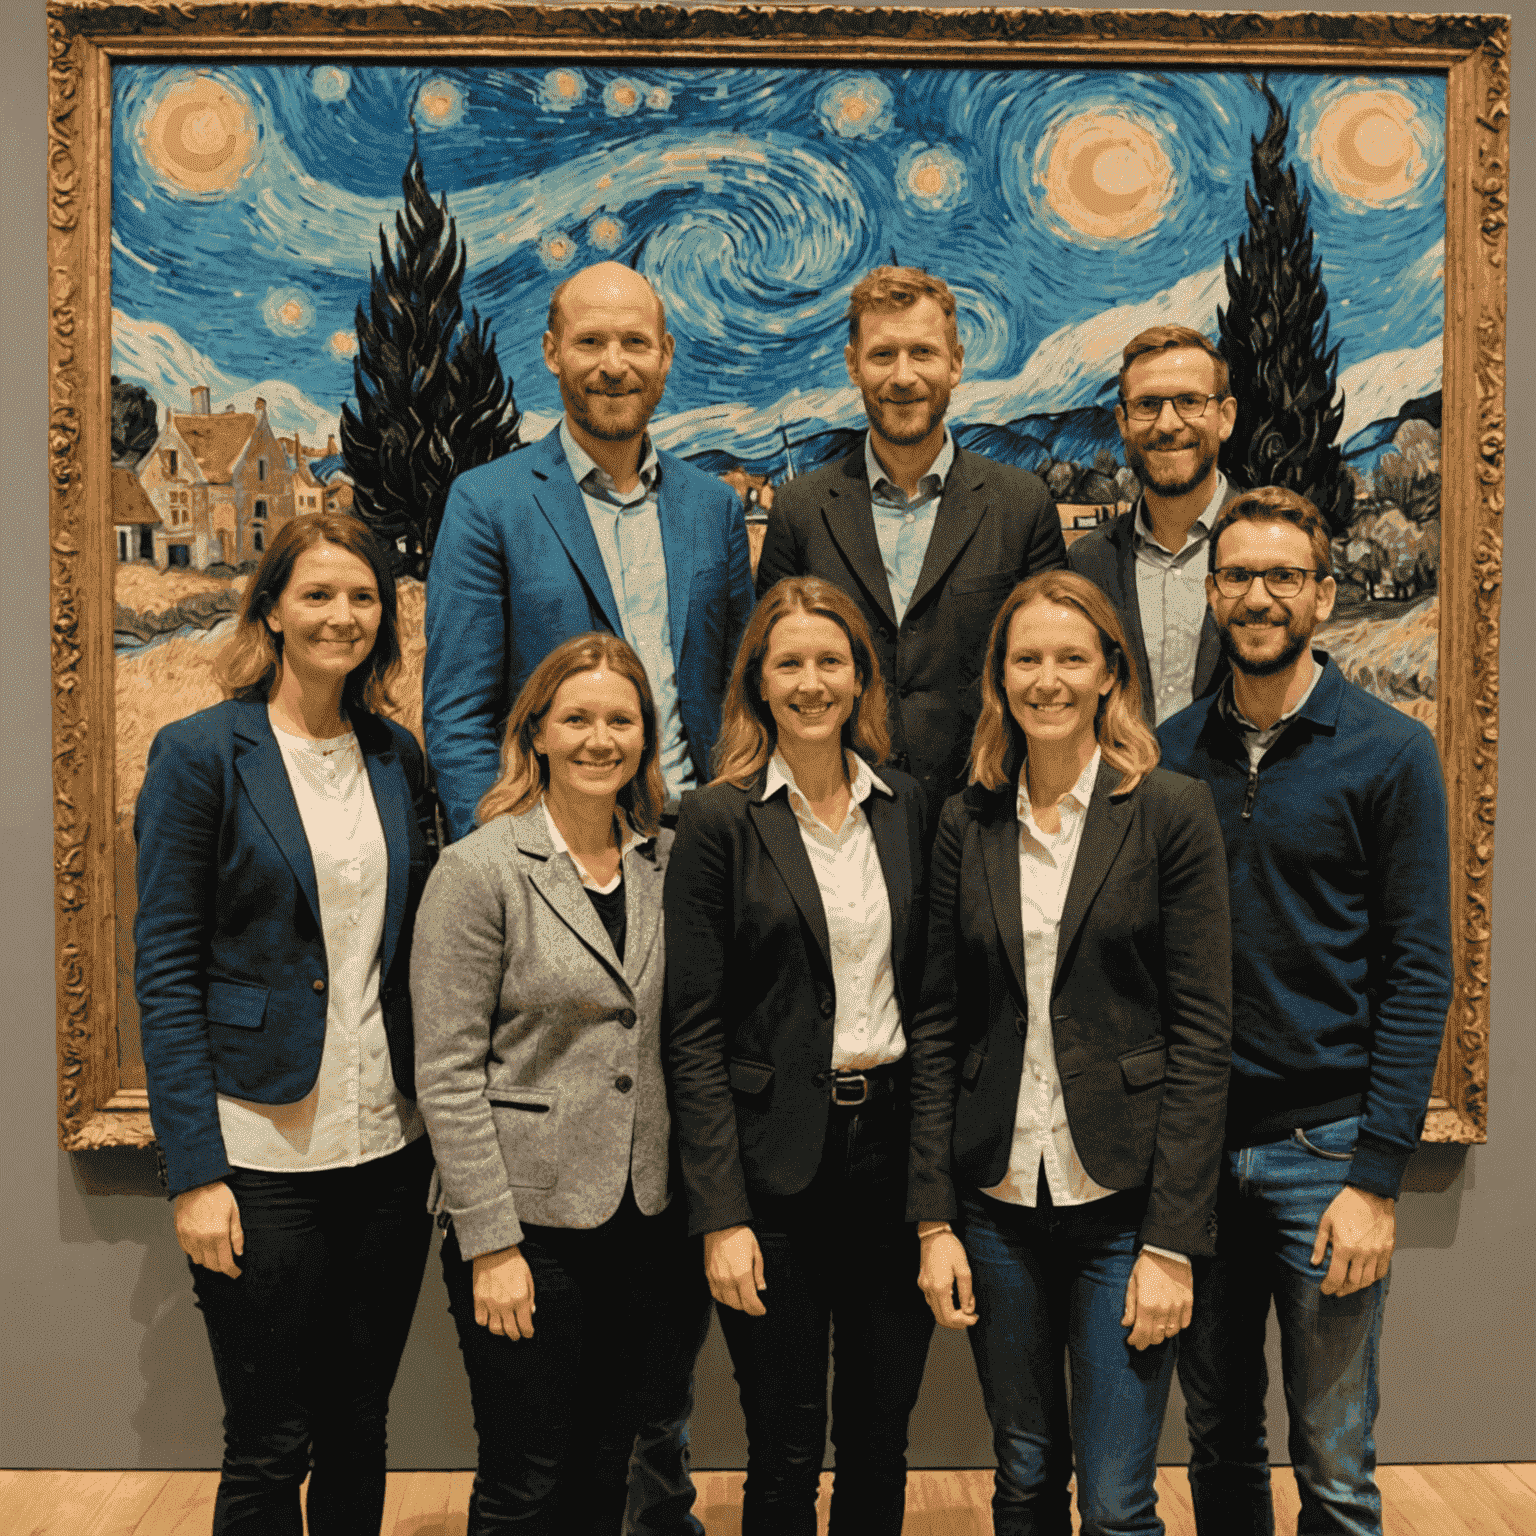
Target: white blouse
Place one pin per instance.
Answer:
(867, 1028)
(354, 1113)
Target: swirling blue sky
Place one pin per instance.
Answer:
(1063, 207)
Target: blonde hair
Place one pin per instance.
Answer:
(525, 773)
(890, 290)
(1170, 338)
(249, 662)
(748, 732)
(998, 747)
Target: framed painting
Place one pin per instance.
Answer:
(240, 196)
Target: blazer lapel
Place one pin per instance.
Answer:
(889, 827)
(961, 508)
(1108, 821)
(780, 832)
(557, 496)
(1000, 858)
(642, 909)
(677, 513)
(259, 762)
(1129, 603)
(557, 882)
(850, 520)
(392, 799)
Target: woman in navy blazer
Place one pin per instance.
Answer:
(795, 912)
(284, 839)
(1077, 1002)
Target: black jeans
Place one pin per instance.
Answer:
(614, 1339)
(307, 1340)
(838, 1253)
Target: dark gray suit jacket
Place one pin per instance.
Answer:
(1107, 557)
(996, 525)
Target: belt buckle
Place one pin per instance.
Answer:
(849, 1080)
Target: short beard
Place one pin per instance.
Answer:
(1136, 459)
(937, 406)
(1293, 648)
(575, 401)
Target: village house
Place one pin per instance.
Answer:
(134, 519)
(222, 485)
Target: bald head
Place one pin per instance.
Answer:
(608, 284)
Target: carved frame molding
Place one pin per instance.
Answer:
(95, 1110)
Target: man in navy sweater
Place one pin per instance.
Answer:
(1333, 810)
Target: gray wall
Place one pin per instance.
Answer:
(102, 1357)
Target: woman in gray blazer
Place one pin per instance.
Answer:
(537, 976)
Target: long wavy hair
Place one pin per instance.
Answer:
(748, 732)
(250, 661)
(999, 746)
(525, 771)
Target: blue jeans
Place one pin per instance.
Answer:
(1050, 1286)
(1270, 1202)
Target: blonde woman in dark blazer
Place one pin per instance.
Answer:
(1078, 1000)
(537, 977)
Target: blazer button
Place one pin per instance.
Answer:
(627, 1018)
(624, 1083)
(318, 985)
(826, 1007)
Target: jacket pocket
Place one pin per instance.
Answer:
(750, 1076)
(237, 1005)
(974, 1062)
(1144, 1066)
(528, 1132)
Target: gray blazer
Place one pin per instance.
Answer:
(538, 1054)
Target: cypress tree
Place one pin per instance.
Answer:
(1274, 333)
(431, 399)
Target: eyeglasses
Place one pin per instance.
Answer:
(1150, 407)
(1280, 580)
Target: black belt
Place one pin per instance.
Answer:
(851, 1090)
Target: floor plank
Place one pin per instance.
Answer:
(130, 1499)
(1524, 1471)
(183, 1507)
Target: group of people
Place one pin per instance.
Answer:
(944, 928)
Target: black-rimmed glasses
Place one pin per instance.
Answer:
(1280, 580)
(1150, 407)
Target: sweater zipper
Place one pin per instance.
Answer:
(1252, 793)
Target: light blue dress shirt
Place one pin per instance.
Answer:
(628, 529)
(904, 527)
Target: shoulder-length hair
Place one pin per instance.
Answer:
(525, 772)
(248, 664)
(998, 747)
(748, 732)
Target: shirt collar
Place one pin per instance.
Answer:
(1227, 701)
(861, 777)
(583, 464)
(1080, 794)
(1201, 528)
(876, 474)
(633, 839)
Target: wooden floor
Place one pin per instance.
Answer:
(1489, 1499)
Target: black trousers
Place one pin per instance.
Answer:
(837, 1255)
(307, 1340)
(615, 1336)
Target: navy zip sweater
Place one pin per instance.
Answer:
(1341, 944)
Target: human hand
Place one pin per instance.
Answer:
(208, 1227)
(733, 1265)
(503, 1286)
(1159, 1299)
(1362, 1230)
(945, 1274)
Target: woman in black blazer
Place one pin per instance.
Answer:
(284, 839)
(1077, 999)
(795, 920)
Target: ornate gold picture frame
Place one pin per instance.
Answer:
(1463, 59)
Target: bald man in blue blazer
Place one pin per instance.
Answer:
(588, 529)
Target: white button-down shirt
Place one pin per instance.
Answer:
(627, 525)
(633, 840)
(904, 527)
(1170, 592)
(354, 1113)
(867, 1028)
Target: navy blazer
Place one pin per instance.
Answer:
(750, 995)
(1141, 1000)
(230, 967)
(516, 570)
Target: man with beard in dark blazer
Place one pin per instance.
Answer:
(1174, 414)
(926, 537)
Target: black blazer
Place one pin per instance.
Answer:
(750, 1001)
(995, 525)
(1107, 557)
(1141, 1005)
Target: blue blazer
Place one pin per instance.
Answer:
(230, 967)
(516, 570)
